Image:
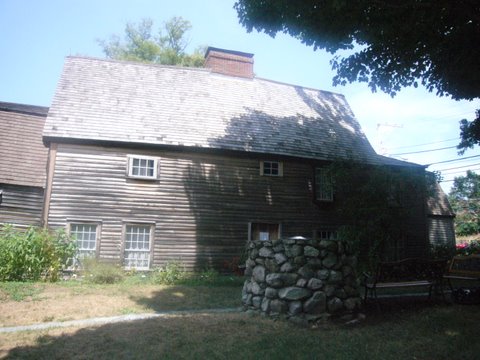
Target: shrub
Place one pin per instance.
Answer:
(33, 254)
(209, 275)
(172, 273)
(442, 251)
(101, 272)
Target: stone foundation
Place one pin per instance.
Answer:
(303, 280)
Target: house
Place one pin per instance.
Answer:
(152, 163)
(23, 160)
(441, 228)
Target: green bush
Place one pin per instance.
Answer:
(172, 273)
(101, 272)
(442, 251)
(33, 254)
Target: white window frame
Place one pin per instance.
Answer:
(130, 166)
(129, 256)
(266, 168)
(89, 251)
(323, 185)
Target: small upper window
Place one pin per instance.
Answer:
(142, 167)
(323, 185)
(271, 168)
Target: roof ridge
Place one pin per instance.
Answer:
(201, 69)
(299, 86)
(138, 63)
(27, 109)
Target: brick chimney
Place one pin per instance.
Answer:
(229, 62)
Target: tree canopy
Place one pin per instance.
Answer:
(465, 200)
(387, 44)
(168, 47)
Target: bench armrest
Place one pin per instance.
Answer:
(366, 278)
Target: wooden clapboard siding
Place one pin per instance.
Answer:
(441, 231)
(21, 206)
(201, 204)
(23, 156)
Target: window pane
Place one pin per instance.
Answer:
(327, 234)
(142, 167)
(271, 168)
(137, 246)
(86, 237)
(264, 236)
(323, 185)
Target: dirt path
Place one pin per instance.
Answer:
(111, 319)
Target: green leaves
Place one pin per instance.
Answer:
(33, 254)
(141, 45)
(469, 133)
(396, 44)
(465, 200)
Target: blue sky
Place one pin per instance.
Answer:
(36, 35)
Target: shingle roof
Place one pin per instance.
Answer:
(438, 204)
(128, 102)
(23, 157)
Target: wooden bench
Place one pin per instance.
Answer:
(464, 268)
(411, 272)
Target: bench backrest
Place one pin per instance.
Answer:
(410, 270)
(467, 265)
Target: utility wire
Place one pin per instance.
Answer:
(460, 171)
(459, 167)
(430, 143)
(452, 160)
(424, 151)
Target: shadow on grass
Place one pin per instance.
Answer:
(191, 298)
(411, 331)
(389, 308)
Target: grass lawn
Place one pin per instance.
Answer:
(31, 303)
(407, 329)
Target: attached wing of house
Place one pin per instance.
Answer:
(154, 163)
(23, 161)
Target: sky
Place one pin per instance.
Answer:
(37, 35)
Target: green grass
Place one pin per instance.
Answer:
(428, 332)
(402, 328)
(19, 291)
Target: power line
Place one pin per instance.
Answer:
(452, 160)
(459, 167)
(424, 151)
(461, 171)
(430, 143)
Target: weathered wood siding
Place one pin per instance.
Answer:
(201, 204)
(21, 205)
(441, 231)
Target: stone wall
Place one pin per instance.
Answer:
(303, 280)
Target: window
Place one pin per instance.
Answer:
(137, 246)
(323, 234)
(142, 167)
(264, 231)
(323, 185)
(86, 237)
(271, 168)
